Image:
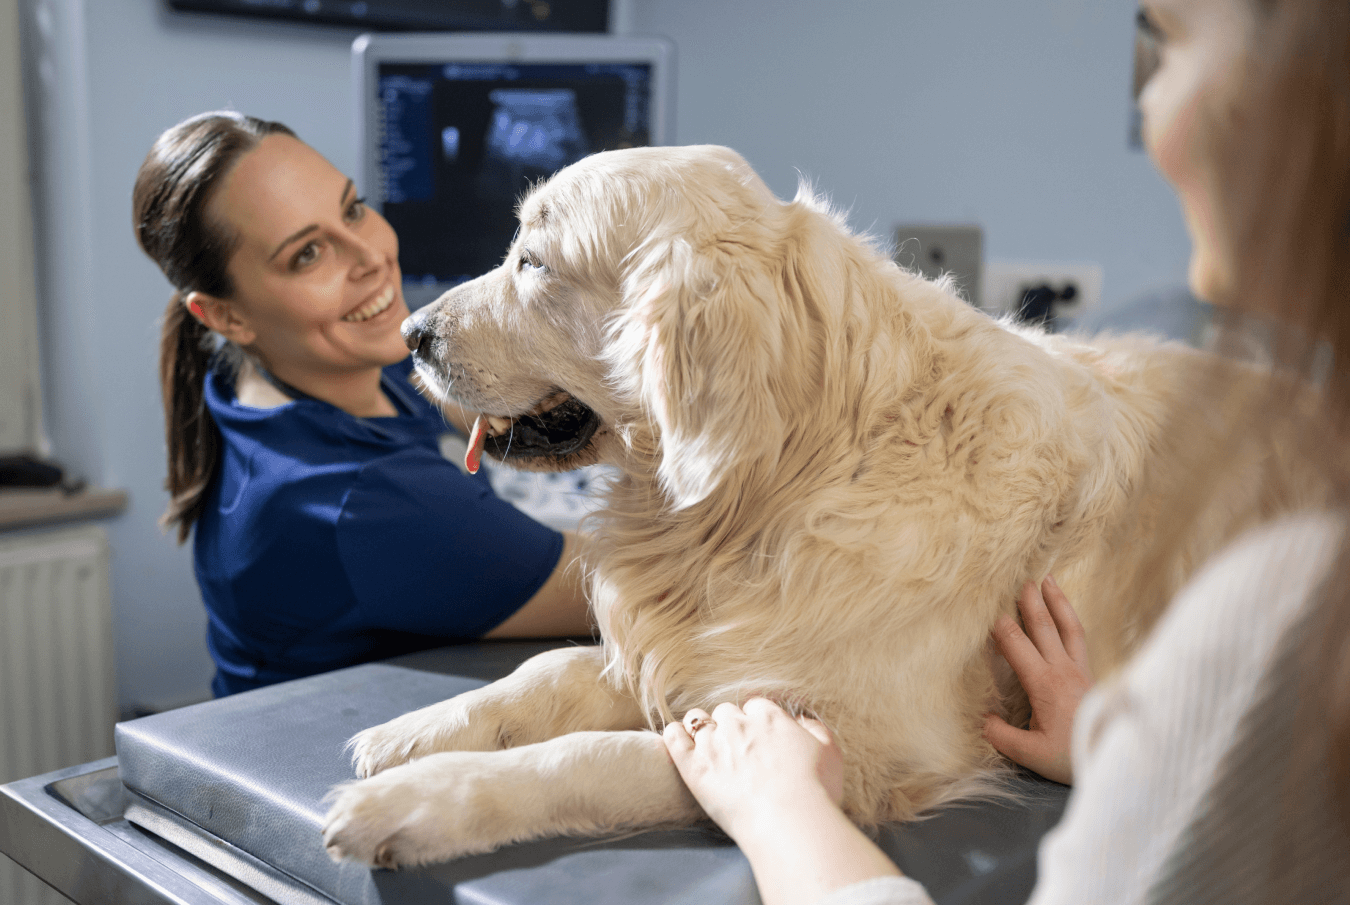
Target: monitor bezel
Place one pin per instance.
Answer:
(370, 50)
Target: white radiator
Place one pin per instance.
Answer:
(57, 695)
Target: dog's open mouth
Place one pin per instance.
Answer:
(557, 426)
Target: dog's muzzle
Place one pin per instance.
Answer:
(559, 427)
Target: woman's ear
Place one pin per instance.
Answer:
(221, 316)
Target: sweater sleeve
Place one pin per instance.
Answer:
(879, 891)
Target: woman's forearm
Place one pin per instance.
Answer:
(803, 853)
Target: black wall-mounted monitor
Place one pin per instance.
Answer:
(428, 15)
(453, 129)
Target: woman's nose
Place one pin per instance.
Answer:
(365, 256)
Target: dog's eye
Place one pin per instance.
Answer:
(528, 261)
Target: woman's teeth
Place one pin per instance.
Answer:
(371, 308)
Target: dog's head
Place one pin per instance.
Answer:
(652, 306)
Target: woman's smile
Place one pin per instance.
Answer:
(373, 308)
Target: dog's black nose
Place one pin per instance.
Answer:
(414, 328)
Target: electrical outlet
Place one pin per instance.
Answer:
(1037, 291)
(937, 249)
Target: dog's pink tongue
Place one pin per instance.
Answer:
(473, 457)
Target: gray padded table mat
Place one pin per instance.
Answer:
(240, 782)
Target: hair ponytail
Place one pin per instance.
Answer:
(191, 435)
(169, 211)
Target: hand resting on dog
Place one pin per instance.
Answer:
(773, 783)
(1051, 660)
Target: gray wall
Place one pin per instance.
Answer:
(1009, 114)
(1012, 115)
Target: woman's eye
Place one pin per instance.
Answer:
(1144, 23)
(1148, 50)
(356, 210)
(308, 254)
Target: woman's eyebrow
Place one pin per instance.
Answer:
(304, 231)
(299, 234)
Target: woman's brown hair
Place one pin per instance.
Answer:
(170, 201)
(1306, 149)
(1279, 140)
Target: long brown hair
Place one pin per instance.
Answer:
(1308, 139)
(1279, 140)
(174, 187)
(1296, 232)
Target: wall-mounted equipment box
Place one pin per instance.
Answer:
(937, 249)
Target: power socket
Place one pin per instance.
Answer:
(937, 249)
(1041, 291)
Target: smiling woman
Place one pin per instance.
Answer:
(316, 284)
(329, 529)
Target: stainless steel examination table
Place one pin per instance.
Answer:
(222, 802)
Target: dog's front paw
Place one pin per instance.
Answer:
(420, 813)
(359, 825)
(453, 725)
(380, 747)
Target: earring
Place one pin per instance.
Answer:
(196, 309)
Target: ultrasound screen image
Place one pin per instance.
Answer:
(460, 143)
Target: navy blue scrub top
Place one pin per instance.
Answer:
(330, 540)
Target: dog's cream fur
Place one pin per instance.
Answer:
(835, 475)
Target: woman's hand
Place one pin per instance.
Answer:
(743, 764)
(775, 783)
(1052, 665)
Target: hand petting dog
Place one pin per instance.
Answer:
(1051, 660)
(775, 784)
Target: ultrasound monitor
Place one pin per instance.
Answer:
(453, 128)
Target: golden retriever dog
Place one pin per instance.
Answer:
(833, 476)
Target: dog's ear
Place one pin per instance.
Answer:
(710, 321)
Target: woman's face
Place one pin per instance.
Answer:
(1203, 43)
(317, 287)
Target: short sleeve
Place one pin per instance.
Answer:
(431, 551)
